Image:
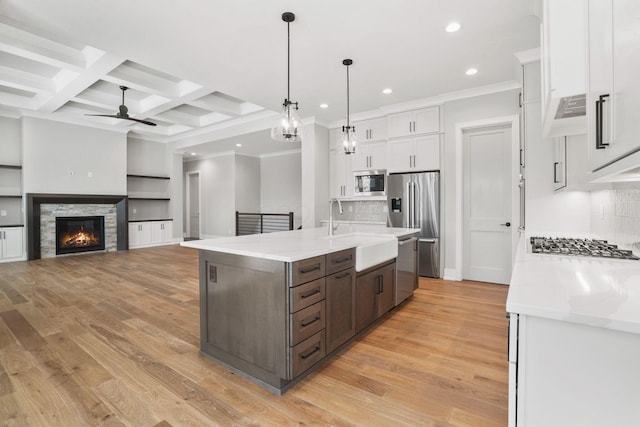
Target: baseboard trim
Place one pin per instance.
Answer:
(452, 274)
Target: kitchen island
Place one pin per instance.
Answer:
(272, 306)
(574, 340)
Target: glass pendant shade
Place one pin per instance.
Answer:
(288, 127)
(349, 139)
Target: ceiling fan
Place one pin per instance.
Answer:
(123, 112)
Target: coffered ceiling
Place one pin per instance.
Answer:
(201, 66)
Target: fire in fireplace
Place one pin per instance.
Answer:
(79, 234)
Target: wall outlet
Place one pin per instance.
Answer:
(3, 213)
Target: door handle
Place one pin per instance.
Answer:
(555, 173)
(506, 224)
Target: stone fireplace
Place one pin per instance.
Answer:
(66, 224)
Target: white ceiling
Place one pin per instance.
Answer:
(199, 66)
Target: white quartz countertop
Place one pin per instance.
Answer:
(592, 291)
(290, 246)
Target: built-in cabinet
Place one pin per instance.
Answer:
(370, 155)
(563, 50)
(11, 243)
(11, 195)
(149, 215)
(371, 130)
(414, 154)
(402, 142)
(559, 162)
(426, 120)
(341, 297)
(614, 89)
(374, 294)
(341, 178)
(150, 233)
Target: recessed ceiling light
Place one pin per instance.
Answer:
(193, 154)
(238, 145)
(453, 27)
(471, 71)
(324, 105)
(387, 91)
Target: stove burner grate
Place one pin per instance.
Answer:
(579, 247)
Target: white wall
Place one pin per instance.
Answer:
(247, 184)
(58, 157)
(147, 158)
(281, 184)
(217, 186)
(10, 141)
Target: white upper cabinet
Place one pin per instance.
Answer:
(414, 154)
(563, 66)
(341, 178)
(371, 130)
(613, 102)
(370, 155)
(426, 120)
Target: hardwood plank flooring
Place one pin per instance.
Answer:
(112, 339)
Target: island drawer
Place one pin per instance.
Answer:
(341, 260)
(307, 353)
(307, 322)
(305, 295)
(308, 269)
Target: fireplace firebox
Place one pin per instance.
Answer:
(79, 234)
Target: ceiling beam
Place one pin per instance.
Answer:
(17, 79)
(217, 103)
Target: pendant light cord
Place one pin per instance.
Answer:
(288, 64)
(347, 97)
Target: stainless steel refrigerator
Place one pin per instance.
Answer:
(414, 202)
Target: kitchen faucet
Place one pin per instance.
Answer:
(331, 213)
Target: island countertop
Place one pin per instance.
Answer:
(592, 291)
(291, 246)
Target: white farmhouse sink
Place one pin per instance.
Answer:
(370, 250)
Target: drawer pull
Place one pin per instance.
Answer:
(309, 270)
(307, 322)
(310, 353)
(343, 275)
(310, 294)
(341, 260)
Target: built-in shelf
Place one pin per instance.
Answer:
(10, 167)
(11, 196)
(11, 225)
(150, 220)
(147, 176)
(150, 198)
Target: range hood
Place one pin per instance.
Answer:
(566, 116)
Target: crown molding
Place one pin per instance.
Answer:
(527, 56)
(280, 153)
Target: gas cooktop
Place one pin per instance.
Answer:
(579, 247)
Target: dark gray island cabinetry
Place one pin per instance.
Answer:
(272, 321)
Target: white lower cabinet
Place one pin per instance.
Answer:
(414, 154)
(572, 374)
(150, 233)
(11, 243)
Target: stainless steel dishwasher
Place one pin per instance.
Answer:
(406, 268)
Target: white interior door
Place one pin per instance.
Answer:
(194, 206)
(487, 204)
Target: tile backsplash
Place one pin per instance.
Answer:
(615, 215)
(366, 210)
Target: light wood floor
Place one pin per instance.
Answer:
(112, 340)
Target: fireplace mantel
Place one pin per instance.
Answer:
(34, 200)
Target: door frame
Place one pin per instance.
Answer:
(187, 200)
(514, 122)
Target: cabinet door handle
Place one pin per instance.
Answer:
(599, 119)
(343, 259)
(409, 127)
(343, 275)
(555, 173)
(306, 322)
(310, 293)
(310, 353)
(381, 284)
(309, 270)
(213, 274)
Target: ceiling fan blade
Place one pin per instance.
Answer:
(104, 115)
(144, 122)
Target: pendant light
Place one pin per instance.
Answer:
(289, 125)
(348, 131)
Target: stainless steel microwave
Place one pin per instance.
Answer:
(370, 183)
